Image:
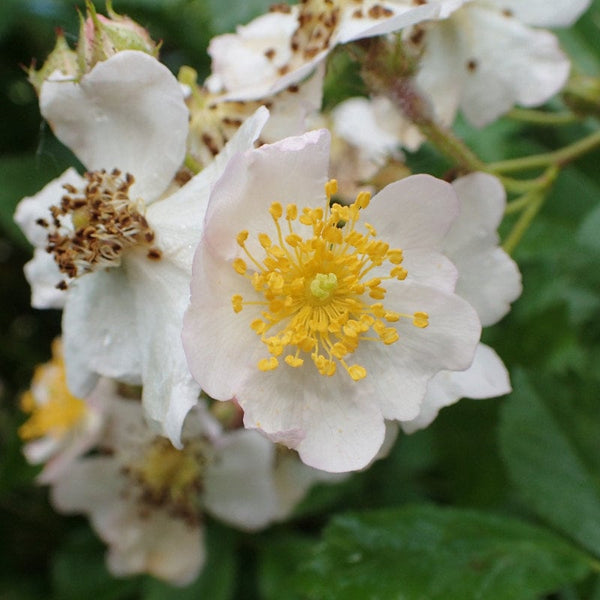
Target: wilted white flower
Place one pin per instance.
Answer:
(282, 47)
(146, 499)
(118, 249)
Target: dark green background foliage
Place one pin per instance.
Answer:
(498, 499)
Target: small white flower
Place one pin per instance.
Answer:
(60, 427)
(485, 58)
(121, 251)
(489, 280)
(359, 316)
(282, 47)
(146, 499)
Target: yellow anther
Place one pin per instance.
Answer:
(395, 256)
(264, 240)
(391, 316)
(294, 361)
(378, 310)
(259, 326)
(331, 188)
(399, 273)
(357, 372)
(371, 229)
(268, 364)
(421, 319)
(276, 210)
(333, 235)
(377, 293)
(293, 240)
(237, 302)
(242, 236)
(291, 212)
(239, 265)
(363, 199)
(389, 335)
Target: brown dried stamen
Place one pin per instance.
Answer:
(92, 227)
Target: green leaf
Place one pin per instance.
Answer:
(589, 231)
(548, 466)
(280, 557)
(429, 553)
(79, 571)
(217, 579)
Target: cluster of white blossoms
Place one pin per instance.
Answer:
(219, 243)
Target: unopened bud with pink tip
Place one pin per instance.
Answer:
(101, 37)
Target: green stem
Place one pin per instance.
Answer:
(558, 157)
(540, 117)
(517, 205)
(534, 204)
(449, 144)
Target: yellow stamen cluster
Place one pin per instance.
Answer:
(170, 477)
(104, 221)
(53, 409)
(318, 296)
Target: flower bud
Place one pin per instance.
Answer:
(101, 37)
(582, 95)
(62, 59)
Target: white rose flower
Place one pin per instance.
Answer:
(322, 331)
(146, 499)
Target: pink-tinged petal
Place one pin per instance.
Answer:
(507, 63)
(488, 278)
(400, 372)
(292, 170)
(415, 212)
(99, 331)
(127, 112)
(333, 422)
(221, 348)
(487, 377)
(33, 208)
(42, 275)
(238, 482)
(541, 13)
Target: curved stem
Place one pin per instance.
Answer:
(540, 117)
(530, 203)
(558, 157)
